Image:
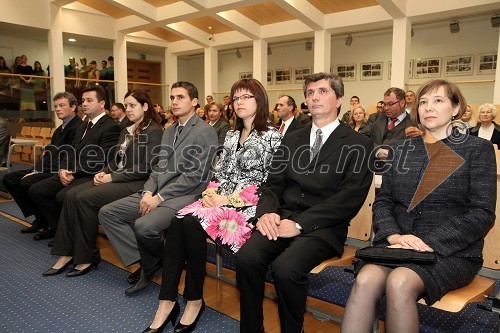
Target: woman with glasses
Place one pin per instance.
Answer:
(438, 196)
(487, 128)
(224, 209)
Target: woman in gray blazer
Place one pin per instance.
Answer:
(126, 173)
(217, 119)
(439, 195)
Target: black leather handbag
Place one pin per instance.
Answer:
(390, 256)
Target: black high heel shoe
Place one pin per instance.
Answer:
(55, 271)
(172, 317)
(75, 272)
(189, 328)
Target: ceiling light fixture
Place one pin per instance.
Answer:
(348, 40)
(211, 37)
(71, 40)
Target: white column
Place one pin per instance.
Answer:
(322, 51)
(211, 72)
(260, 61)
(56, 61)
(496, 87)
(401, 44)
(170, 74)
(120, 57)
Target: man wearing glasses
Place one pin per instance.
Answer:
(380, 111)
(395, 124)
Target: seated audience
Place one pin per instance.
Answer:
(118, 114)
(286, 109)
(136, 224)
(446, 210)
(487, 128)
(19, 182)
(303, 211)
(353, 103)
(217, 119)
(88, 156)
(357, 120)
(169, 117)
(75, 240)
(380, 111)
(232, 197)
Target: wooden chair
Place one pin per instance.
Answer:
(360, 229)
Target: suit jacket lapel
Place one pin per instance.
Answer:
(185, 131)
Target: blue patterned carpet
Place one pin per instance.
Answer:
(91, 303)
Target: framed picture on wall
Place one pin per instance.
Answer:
(270, 77)
(410, 69)
(486, 63)
(427, 67)
(246, 75)
(371, 70)
(459, 65)
(283, 76)
(300, 74)
(346, 72)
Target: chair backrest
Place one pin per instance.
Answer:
(35, 130)
(491, 250)
(25, 131)
(361, 225)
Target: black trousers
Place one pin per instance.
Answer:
(48, 195)
(291, 260)
(18, 188)
(185, 242)
(77, 229)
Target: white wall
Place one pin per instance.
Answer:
(475, 37)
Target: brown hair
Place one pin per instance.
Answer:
(260, 95)
(150, 115)
(451, 90)
(219, 106)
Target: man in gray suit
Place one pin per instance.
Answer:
(135, 225)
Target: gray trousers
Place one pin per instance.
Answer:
(135, 237)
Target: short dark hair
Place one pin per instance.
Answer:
(334, 80)
(355, 97)
(259, 93)
(93, 62)
(451, 90)
(110, 58)
(191, 88)
(99, 92)
(104, 61)
(119, 106)
(290, 102)
(69, 96)
(400, 93)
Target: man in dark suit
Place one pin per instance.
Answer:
(88, 156)
(18, 182)
(395, 124)
(286, 108)
(318, 182)
(117, 112)
(135, 225)
(380, 112)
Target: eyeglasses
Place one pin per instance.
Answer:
(243, 98)
(390, 104)
(380, 106)
(485, 112)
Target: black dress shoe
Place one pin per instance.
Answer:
(189, 328)
(31, 229)
(134, 277)
(144, 280)
(56, 271)
(75, 272)
(46, 233)
(172, 317)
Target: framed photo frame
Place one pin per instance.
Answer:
(347, 72)
(486, 63)
(270, 77)
(371, 71)
(283, 76)
(458, 65)
(246, 75)
(300, 74)
(427, 67)
(410, 69)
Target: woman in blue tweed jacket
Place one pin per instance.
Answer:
(438, 195)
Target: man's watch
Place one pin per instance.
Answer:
(298, 226)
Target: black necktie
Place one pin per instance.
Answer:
(178, 132)
(89, 126)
